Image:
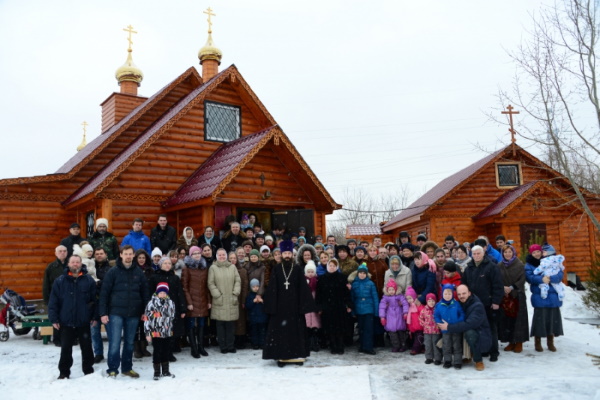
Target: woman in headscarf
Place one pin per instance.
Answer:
(187, 239)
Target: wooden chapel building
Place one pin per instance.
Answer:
(202, 148)
(512, 193)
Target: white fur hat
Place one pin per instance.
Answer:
(101, 221)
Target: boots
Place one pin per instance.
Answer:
(510, 347)
(175, 345)
(550, 342)
(518, 347)
(200, 341)
(314, 340)
(156, 371)
(538, 344)
(137, 349)
(143, 348)
(193, 343)
(165, 370)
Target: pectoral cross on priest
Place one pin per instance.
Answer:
(287, 285)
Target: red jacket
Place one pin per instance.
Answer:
(455, 280)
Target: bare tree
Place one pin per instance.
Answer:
(556, 86)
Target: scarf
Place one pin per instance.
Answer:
(188, 241)
(532, 260)
(508, 262)
(427, 261)
(222, 264)
(412, 309)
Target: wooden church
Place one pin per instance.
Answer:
(201, 148)
(512, 193)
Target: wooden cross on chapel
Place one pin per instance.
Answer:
(512, 131)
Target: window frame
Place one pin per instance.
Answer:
(207, 104)
(519, 174)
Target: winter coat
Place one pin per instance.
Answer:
(69, 242)
(124, 291)
(175, 288)
(333, 299)
(256, 311)
(348, 266)
(300, 258)
(552, 300)
(72, 300)
(451, 312)
(514, 330)
(182, 243)
(240, 324)
(138, 241)
(428, 322)
(412, 320)
(475, 319)
(160, 315)
(313, 320)
(321, 269)
(484, 281)
(164, 239)
(55, 269)
(364, 296)
(493, 254)
(423, 281)
(257, 271)
(194, 280)
(393, 309)
(454, 281)
(231, 242)
(403, 279)
(225, 286)
(108, 242)
(377, 269)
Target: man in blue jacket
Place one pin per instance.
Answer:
(123, 297)
(71, 310)
(136, 237)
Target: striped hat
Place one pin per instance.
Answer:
(162, 287)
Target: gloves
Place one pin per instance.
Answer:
(383, 321)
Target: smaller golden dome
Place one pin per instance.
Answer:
(129, 71)
(210, 51)
(83, 143)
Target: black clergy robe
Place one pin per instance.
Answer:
(286, 308)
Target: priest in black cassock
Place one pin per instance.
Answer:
(287, 298)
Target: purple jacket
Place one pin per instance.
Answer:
(393, 308)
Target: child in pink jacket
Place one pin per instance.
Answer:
(431, 332)
(412, 321)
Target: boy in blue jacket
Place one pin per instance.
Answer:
(450, 311)
(256, 315)
(366, 307)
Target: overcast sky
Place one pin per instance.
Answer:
(375, 95)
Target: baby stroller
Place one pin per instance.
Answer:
(11, 315)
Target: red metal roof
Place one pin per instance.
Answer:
(505, 200)
(363, 230)
(210, 174)
(440, 190)
(111, 167)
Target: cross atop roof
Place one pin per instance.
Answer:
(512, 131)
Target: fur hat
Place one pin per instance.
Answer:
(421, 237)
(264, 247)
(534, 247)
(343, 247)
(194, 249)
(86, 247)
(430, 296)
(254, 252)
(100, 221)
(162, 287)
(286, 245)
(391, 283)
(254, 282)
(409, 246)
(156, 252)
(411, 292)
(310, 265)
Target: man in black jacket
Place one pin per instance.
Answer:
(163, 235)
(55, 269)
(123, 297)
(71, 310)
(72, 239)
(483, 278)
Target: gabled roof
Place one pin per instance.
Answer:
(363, 230)
(435, 194)
(223, 165)
(503, 203)
(81, 158)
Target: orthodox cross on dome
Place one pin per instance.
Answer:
(130, 30)
(210, 13)
(84, 140)
(85, 125)
(512, 131)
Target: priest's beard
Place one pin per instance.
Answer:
(287, 262)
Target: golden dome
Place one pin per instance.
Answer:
(83, 142)
(129, 71)
(210, 51)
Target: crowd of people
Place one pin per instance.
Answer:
(288, 294)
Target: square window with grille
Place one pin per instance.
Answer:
(508, 175)
(222, 122)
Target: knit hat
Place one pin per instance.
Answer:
(259, 235)
(409, 246)
(534, 247)
(86, 248)
(350, 241)
(319, 245)
(548, 248)
(286, 245)
(302, 238)
(254, 252)
(162, 287)
(363, 268)
(411, 292)
(302, 229)
(247, 243)
(163, 259)
(264, 247)
(448, 286)
(391, 283)
(194, 249)
(101, 221)
(360, 248)
(156, 252)
(268, 237)
(310, 266)
(254, 282)
(421, 237)
(450, 266)
(430, 296)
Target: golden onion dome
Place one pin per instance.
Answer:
(82, 144)
(129, 71)
(210, 51)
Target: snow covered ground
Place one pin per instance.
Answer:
(29, 369)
